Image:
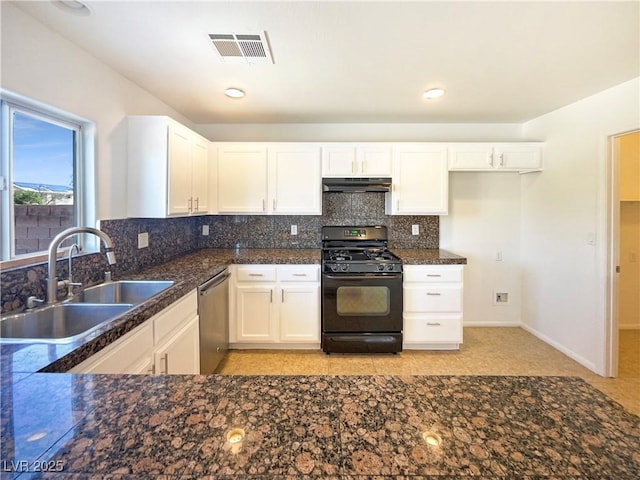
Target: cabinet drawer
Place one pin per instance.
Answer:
(433, 274)
(437, 298)
(256, 274)
(302, 273)
(170, 320)
(420, 330)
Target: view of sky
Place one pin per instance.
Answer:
(42, 152)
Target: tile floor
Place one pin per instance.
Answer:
(486, 351)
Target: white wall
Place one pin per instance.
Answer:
(563, 276)
(484, 219)
(42, 65)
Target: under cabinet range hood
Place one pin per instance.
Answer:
(352, 184)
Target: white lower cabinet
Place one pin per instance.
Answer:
(432, 310)
(275, 306)
(166, 343)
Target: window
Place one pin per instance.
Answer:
(46, 164)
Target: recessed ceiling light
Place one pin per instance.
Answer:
(433, 93)
(73, 6)
(234, 93)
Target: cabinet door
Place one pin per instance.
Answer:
(255, 313)
(295, 181)
(179, 181)
(471, 156)
(518, 157)
(200, 176)
(129, 354)
(300, 313)
(242, 179)
(421, 180)
(339, 161)
(181, 353)
(375, 160)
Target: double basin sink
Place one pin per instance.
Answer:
(79, 316)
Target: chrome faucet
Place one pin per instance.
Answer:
(71, 283)
(52, 281)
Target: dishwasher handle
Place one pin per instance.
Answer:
(213, 282)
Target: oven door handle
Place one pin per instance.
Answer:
(363, 276)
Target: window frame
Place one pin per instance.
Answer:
(84, 173)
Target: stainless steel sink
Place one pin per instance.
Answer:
(60, 323)
(131, 292)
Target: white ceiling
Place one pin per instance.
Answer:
(364, 61)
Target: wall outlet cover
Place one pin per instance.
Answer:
(500, 298)
(143, 240)
(415, 229)
(294, 229)
(205, 230)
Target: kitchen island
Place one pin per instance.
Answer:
(313, 427)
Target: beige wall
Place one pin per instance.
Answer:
(629, 280)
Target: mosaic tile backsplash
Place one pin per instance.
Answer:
(172, 237)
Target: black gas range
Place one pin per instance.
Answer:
(361, 291)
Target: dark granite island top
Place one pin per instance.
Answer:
(188, 271)
(120, 427)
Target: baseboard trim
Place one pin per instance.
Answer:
(492, 324)
(569, 353)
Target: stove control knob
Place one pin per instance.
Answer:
(335, 268)
(344, 267)
(380, 268)
(390, 268)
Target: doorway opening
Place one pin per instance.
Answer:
(624, 254)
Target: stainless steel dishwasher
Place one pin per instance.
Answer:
(213, 310)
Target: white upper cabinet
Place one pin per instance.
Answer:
(519, 157)
(294, 179)
(279, 178)
(167, 163)
(361, 160)
(242, 178)
(420, 180)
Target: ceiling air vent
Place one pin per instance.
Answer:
(242, 48)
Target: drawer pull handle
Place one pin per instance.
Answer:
(433, 324)
(299, 274)
(433, 294)
(256, 275)
(433, 275)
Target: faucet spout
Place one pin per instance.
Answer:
(52, 281)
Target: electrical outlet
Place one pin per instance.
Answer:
(143, 240)
(633, 257)
(498, 256)
(500, 298)
(415, 229)
(294, 229)
(205, 230)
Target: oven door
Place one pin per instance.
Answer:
(363, 303)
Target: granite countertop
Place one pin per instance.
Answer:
(428, 256)
(216, 427)
(187, 271)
